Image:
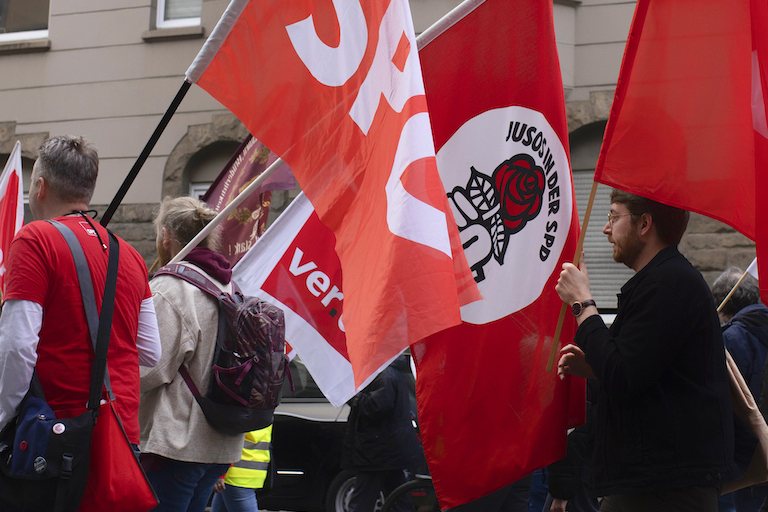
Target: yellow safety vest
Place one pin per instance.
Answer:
(251, 470)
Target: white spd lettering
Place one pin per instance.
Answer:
(332, 66)
(402, 207)
(317, 282)
(383, 79)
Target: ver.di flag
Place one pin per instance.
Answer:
(294, 266)
(489, 411)
(335, 89)
(248, 221)
(688, 122)
(11, 207)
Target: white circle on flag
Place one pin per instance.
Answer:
(512, 248)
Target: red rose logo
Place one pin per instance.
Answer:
(520, 183)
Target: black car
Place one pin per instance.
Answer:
(306, 449)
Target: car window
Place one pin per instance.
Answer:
(303, 383)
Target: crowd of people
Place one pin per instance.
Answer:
(660, 430)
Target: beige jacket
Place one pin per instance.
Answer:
(172, 423)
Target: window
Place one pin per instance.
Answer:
(198, 189)
(178, 13)
(23, 19)
(206, 165)
(304, 385)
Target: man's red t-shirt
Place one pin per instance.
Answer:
(40, 269)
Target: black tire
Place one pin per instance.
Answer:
(337, 498)
(414, 496)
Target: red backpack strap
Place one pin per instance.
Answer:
(191, 276)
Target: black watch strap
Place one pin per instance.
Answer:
(578, 307)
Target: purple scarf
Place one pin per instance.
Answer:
(212, 263)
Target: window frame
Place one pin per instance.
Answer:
(161, 22)
(198, 189)
(27, 35)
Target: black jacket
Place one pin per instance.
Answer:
(663, 416)
(746, 338)
(380, 435)
(571, 475)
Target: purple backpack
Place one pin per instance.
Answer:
(249, 363)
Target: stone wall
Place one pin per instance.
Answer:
(133, 222)
(713, 246)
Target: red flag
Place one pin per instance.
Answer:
(489, 411)
(688, 122)
(11, 207)
(337, 93)
(247, 222)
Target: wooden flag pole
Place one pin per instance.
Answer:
(730, 293)
(145, 154)
(223, 214)
(579, 245)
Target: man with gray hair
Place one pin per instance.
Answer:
(745, 334)
(43, 326)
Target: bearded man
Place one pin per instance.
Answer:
(663, 421)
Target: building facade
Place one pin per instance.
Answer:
(108, 70)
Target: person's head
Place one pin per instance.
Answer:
(746, 294)
(639, 227)
(63, 177)
(178, 221)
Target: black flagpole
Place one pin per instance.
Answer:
(145, 154)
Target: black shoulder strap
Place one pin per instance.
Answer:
(99, 326)
(194, 277)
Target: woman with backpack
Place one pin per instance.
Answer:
(182, 453)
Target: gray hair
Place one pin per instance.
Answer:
(184, 217)
(70, 166)
(746, 294)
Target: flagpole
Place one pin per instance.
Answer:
(447, 21)
(145, 153)
(204, 57)
(733, 290)
(223, 214)
(579, 245)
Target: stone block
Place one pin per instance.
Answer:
(701, 224)
(579, 113)
(741, 257)
(708, 259)
(7, 138)
(133, 232)
(696, 241)
(143, 212)
(601, 104)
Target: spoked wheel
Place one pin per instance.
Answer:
(415, 496)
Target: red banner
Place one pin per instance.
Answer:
(11, 207)
(688, 123)
(489, 411)
(247, 222)
(336, 91)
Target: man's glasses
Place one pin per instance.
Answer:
(613, 216)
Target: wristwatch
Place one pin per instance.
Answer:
(579, 307)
